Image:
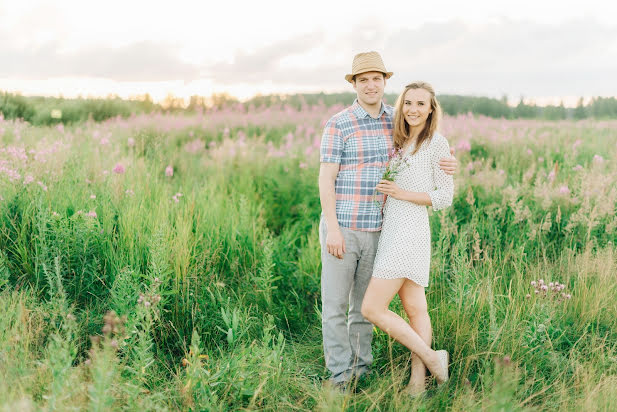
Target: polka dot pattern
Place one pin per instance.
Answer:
(404, 249)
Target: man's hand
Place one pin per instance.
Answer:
(335, 242)
(449, 165)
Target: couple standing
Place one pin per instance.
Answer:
(361, 270)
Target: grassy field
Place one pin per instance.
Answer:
(171, 262)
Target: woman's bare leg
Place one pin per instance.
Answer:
(377, 298)
(414, 302)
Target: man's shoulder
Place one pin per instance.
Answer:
(342, 118)
(388, 109)
(343, 114)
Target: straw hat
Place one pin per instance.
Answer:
(367, 62)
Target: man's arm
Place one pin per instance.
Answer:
(449, 164)
(327, 177)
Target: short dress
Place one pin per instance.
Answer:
(404, 249)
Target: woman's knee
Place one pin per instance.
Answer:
(416, 309)
(370, 310)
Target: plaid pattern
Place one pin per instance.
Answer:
(360, 145)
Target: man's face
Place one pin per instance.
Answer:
(369, 87)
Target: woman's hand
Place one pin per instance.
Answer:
(390, 188)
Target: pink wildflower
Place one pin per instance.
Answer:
(564, 190)
(464, 145)
(130, 142)
(28, 179)
(529, 151)
(91, 213)
(302, 166)
(597, 159)
(169, 171)
(540, 159)
(129, 192)
(577, 168)
(42, 186)
(104, 141)
(176, 197)
(119, 168)
(195, 146)
(92, 196)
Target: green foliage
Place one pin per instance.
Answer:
(51, 110)
(213, 273)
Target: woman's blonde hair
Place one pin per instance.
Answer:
(401, 128)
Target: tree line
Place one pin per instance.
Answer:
(53, 110)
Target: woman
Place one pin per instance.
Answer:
(403, 256)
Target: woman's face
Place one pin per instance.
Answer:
(417, 107)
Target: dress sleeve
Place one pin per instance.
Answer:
(442, 196)
(331, 147)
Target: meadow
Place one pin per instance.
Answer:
(171, 262)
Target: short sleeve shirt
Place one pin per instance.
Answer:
(360, 145)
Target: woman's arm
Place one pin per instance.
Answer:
(392, 189)
(439, 198)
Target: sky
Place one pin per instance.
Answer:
(545, 51)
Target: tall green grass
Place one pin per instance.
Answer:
(200, 291)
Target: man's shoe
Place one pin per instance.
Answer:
(341, 387)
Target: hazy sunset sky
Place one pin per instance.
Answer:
(544, 50)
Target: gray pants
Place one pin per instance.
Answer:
(346, 338)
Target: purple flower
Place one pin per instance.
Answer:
(464, 145)
(169, 171)
(119, 168)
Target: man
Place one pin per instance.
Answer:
(354, 151)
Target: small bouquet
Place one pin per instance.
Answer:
(396, 163)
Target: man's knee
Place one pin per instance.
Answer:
(333, 306)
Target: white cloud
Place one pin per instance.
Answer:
(543, 48)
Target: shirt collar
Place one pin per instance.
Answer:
(359, 111)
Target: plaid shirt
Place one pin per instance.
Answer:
(360, 145)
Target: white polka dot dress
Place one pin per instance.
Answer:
(404, 249)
